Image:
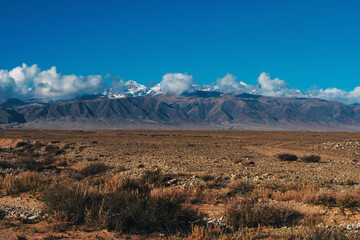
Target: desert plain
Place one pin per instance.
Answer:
(210, 173)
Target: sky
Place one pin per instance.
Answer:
(307, 44)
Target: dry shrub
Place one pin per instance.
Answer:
(287, 157)
(200, 233)
(215, 183)
(28, 163)
(348, 202)
(54, 150)
(128, 207)
(312, 220)
(311, 159)
(5, 164)
(154, 178)
(286, 196)
(26, 182)
(21, 144)
(207, 178)
(175, 194)
(94, 169)
(69, 201)
(242, 213)
(185, 195)
(243, 187)
(322, 233)
(308, 194)
(348, 182)
(319, 198)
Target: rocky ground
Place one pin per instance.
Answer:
(204, 161)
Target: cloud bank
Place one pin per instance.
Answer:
(279, 88)
(31, 82)
(176, 83)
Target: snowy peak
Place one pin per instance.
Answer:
(129, 89)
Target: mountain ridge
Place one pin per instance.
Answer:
(196, 110)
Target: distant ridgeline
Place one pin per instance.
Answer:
(197, 110)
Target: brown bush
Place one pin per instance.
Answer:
(242, 213)
(242, 187)
(93, 169)
(29, 164)
(124, 208)
(311, 159)
(287, 157)
(154, 178)
(4, 164)
(321, 233)
(348, 202)
(25, 182)
(319, 198)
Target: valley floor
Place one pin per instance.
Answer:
(207, 171)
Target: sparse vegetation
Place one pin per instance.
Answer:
(349, 203)
(287, 157)
(26, 182)
(124, 208)
(93, 169)
(242, 213)
(112, 180)
(311, 159)
(240, 188)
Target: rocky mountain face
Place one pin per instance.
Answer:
(197, 110)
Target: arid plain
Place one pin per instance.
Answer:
(206, 172)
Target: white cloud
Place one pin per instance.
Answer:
(26, 82)
(279, 88)
(229, 84)
(176, 83)
(32, 82)
(335, 94)
(275, 87)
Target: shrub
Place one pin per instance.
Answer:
(207, 178)
(242, 213)
(243, 187)
(69, 202)
(287, 157)
(21, 144)
(155, 178)
(319, 198)
(348, 202)
(180, 195)
(63, 163)
(348, 182)
(127, 212)
(119, 208)
(4, 164)
(129, 184)
(29, 164)
(94, 169)
(311, 158)
(25, 182)
(322, 233)
(54, 150)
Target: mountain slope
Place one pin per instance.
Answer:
(198, 110)
(10, 116)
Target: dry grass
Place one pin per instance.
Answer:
(199, 169)
(123, 208)
(242, 213)
(25, 182)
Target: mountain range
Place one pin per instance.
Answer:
(140, 107)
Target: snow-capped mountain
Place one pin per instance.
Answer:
(131, 89)
(134, 89)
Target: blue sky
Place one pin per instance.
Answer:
(305, 43)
